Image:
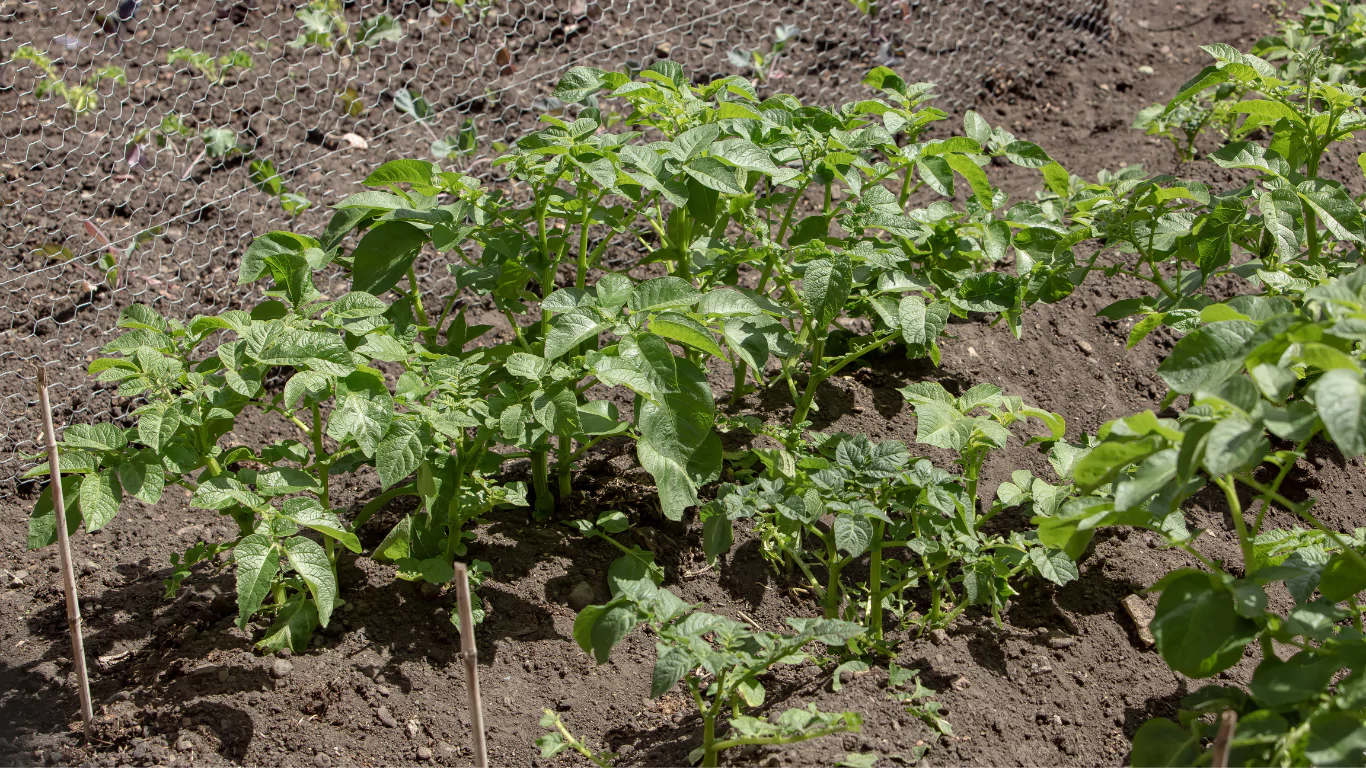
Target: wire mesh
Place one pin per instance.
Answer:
(145, 143)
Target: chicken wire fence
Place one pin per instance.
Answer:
(146, 143)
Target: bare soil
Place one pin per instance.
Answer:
(1066, 681)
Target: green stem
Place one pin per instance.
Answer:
(565, 464)
(812, 382)
(1235, 508)
(708, 741)
(875, 580)
(540, 481)
(429, 335)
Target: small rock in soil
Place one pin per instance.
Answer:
(565, 706)
(424, 753)
(321, 760)
(939, 637)
(581, 596)
(1085, 346)
(1061, 642)
(413, 729)
(17, 579)
(284, 653)
(386, 717)
(184, 744)
(280, 669)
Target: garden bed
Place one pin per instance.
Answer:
(1067, 680)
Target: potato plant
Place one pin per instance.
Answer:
(719, 660)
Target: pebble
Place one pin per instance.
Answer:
(16, 579)
(581, 596)
(1061, 642)
(413, 729)
(281, 669)
(386, 717)
(184, 744)
(1085, 346)
(663, 49)
(939, 637)
(1145, 70)
(424, 753)
(321, 760)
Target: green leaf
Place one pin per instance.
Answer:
(142, 478)
(718, 535)
(987, 292)
(853, 534)
(942, 426)
(398, 454)
(258, 561)
(311, 563)
(309, 513)
(222, 492)
(1281, 684)
(1027, 154)
(1161, 743)
(1204, 358)
(95, 437)
(579, 83)
(975, 176)
(363, 412)
(1054, 565)
(714, 174)
(598, 628)
(383, 256)
(672, 664)
(100, 496)
(1343, 577)
(571, 329)
(1335, 208)
(1104, 462)
(158, 424)
(399, 172)
(663, 293)
(1336, 738)
(825, 289)
(1208, 77)
(42, 521)
(921, 325)
(1340, 398)
(685, 330)
(1198, 631)
(936, 173)
(293, 626)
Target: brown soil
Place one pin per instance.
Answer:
(1065, 681)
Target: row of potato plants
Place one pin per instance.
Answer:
(774, 230)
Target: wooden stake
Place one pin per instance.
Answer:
(471, 657)
(1228, 721)
(73, 606)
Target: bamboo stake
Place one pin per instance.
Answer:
(1228, 721)
(73, 606)
(471, 657)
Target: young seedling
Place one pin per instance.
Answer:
(719, 660)
(81, 98)
(215, 68)
(559, 739)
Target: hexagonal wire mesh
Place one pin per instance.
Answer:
(159, 137)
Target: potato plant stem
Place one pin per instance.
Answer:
(429, 335)
(875, 579)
